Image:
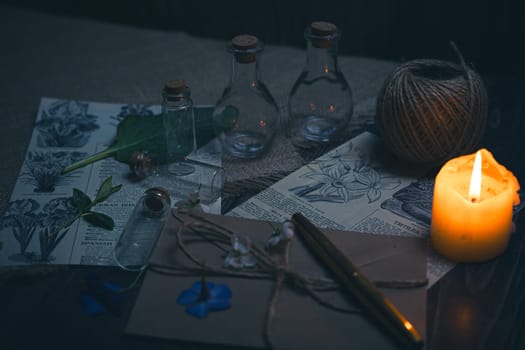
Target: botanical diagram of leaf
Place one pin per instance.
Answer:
(43, 170)
(65, 124)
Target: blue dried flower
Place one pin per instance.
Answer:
(101, 296)
(204, 297)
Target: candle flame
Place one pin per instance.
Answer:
(474, 191)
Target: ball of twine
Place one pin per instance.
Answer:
(429, 111)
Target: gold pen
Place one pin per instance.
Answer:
(373, 302)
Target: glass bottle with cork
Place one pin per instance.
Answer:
(179, 123)
(246, 117)
(142, 230)
(320, 103)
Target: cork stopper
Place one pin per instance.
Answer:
(323, 28)
(248, 43)
(323, 34)
(157, 200)
(175, 86)
(245, 42)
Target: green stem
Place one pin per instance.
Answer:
(108, 152)
(73, 219)
(91, 159)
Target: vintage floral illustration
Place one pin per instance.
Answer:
(65, 124)
(55, 215)
(413, 202)
(43, 170)
(344, 177)
(132, 109)
(23, 220)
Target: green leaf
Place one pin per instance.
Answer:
(80, 200)
(138, 132)
(105, 190)
(135, 132)
(99, 220)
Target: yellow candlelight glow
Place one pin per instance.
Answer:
(472, 208)
(475, 180)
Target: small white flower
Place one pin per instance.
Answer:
(274, 240)
(287, 230)
(285, 233)
(240, 256)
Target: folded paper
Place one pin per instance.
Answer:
(300, 322)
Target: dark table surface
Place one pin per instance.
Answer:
(474, 306)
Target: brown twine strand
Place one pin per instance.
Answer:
(429, 111)
(268, 268)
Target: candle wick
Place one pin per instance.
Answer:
(473, 199)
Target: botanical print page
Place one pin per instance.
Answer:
(357, 186)
(65, 132)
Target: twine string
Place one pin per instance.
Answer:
(268, 267)
(430, 110)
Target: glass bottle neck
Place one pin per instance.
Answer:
(175, 102)
(244, 73)
(321, 60)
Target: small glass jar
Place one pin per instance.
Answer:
(246, 117)
(179, 123)
(320, 103)
(142, 230)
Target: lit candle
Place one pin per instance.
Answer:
(472, 208)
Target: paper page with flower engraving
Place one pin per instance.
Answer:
(65, 132)
(357, 186)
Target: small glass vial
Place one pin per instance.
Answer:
(142, 230)
(179, 122)
(206, 181)
(246, 117)
(320, 103)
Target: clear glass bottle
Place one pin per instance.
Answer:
(142, 230)
(179, 122)
(320, 103)
(246, 117)
(206, 181)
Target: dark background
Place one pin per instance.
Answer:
(489, 33)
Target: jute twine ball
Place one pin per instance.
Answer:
(430, 111)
